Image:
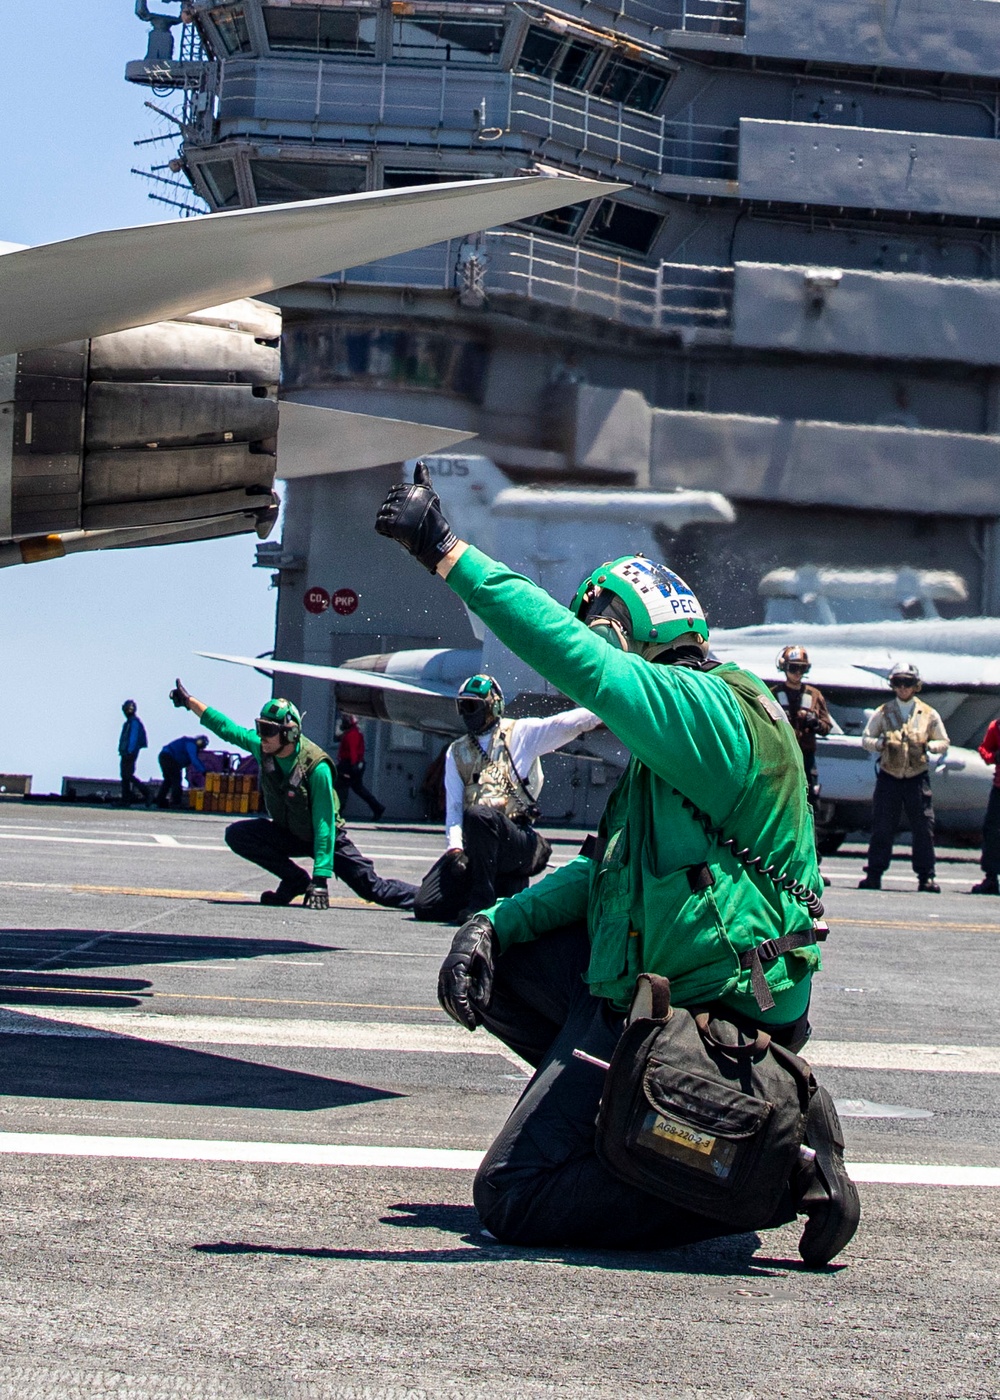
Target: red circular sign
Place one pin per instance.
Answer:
(316, 600)
(345, 601)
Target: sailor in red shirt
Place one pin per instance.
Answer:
(989, 752)
(351, 766)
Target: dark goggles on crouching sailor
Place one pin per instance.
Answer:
(475, 713)
(268, 729)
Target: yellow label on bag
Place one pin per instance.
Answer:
(681, 1133)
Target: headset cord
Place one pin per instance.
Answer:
(785, 883)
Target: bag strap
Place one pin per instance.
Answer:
(520, 781)
(751, 1049)
(773, 948)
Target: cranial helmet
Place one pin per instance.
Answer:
(128, 707)
(201, 742)
(283, 714)
(905, 670)
(793, 656)
(480, 704)
(640, 606)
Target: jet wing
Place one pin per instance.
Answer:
(342, 675)
(314, 441)
(110, 281)
(828, 673)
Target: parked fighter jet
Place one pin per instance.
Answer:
(129, 416)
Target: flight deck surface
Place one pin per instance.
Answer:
(197, 1198)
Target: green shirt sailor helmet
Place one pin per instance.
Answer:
(480, 704)
(639, 606)
(280, 718)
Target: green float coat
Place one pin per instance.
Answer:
(704, 735)
(312, 811)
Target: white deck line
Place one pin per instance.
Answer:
(422, 1158)
(439, 1038)
(291, 1032)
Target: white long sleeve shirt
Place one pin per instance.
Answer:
(527, 740)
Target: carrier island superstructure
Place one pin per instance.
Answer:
(795, 301)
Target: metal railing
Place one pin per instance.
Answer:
(701, 16)
(689, 294)
(618, 135)
(377, 104)
(659, 297)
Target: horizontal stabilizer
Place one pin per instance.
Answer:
(104, 282)
(341, 675)
(315, 441)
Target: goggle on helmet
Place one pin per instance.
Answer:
(638, 605)
(280, 719)
(480, 703)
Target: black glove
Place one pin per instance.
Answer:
(180, 696)
(317, 895)
(412, 515)
(465, 981)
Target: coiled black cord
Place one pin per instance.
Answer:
(786, 883)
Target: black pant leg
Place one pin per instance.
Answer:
(171, 789)
(919, 807)
(494, 845)
(444, 890)
(360, 875)
(534, 987)
(356, 784)
(887, 804)
(991, 834)
(541, 1182)
(271, 847)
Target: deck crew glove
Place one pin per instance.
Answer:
(465, 981)
(412, 515)
(317, 895)
(180, 696)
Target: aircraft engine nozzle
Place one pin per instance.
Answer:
(158, 434)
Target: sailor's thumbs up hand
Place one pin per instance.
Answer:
(412, 515)
(180, 695)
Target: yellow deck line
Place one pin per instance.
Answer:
(912, 924)
(223, 896)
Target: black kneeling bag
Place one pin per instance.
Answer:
(701, 1114)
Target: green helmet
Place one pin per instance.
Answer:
(641, 604)
(284, 715)
(480, 703)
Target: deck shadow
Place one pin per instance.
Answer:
(114, 1068)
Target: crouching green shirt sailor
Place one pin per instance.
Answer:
(298, 790)
(297, 780)
(665, 895)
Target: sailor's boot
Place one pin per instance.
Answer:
(825, 1193)
(989, 884)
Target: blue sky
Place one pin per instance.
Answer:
(79, 635)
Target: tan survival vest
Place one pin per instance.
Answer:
(905, 751)
(484, 764)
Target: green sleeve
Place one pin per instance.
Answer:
(685, 725)
(323, 808)
(561, 898)
(230, 732)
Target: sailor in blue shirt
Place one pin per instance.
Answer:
(131, 742)
(181, 755)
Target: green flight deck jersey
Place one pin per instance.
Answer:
(307, 805)
(714, 737)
